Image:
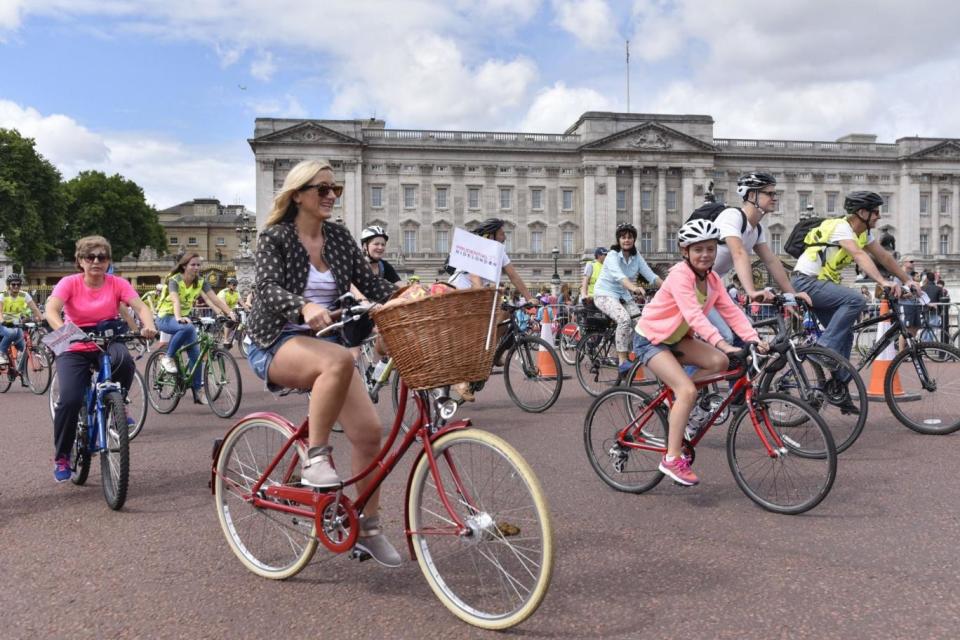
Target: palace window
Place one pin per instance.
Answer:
(442, 244)
(924, 203)
(376, 197)
(410, 241)
(536, 199)
(646, 200)
(944, 244)
(567, 199)
(671, 200)
(776, 243)
(536, 241)
(473, 198)
(566, 243)
(924, 244)
(646, 242)
(441, 197)
(409, 197)
(621, 199)
(504, 198)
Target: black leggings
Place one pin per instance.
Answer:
(73, 378)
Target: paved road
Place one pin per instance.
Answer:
(876, 559)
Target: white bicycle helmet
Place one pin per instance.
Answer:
(372, 232)
(697, 230)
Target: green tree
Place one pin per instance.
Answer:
(32, 201)
(113, 207)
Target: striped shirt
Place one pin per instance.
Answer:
(321, 289)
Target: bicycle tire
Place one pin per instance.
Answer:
(617, 466)
(271, 544)
(567, 348)
(38, 371)
(480, 577)
(136, 404)
(597, 370)
(222, 382)
(163, 389)
(115, 454)
(820, 365)
(80, 451)
(808, 457)
(5, 379)
(916, 407)
(523, 376)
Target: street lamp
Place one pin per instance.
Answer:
(244, 230)
(556, 276)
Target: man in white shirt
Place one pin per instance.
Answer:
(742, 234)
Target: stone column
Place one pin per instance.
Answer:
(265, 170)
(605, 233)
(955, 215)
(908, 215)
(686, 205)
(589, 206)
(661, 209)
(934, 241)
(635, 201)
(352, 202)
(246, 273)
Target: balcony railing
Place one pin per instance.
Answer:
(469, 137)
(807, 147)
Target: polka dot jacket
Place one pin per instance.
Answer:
(282, 269)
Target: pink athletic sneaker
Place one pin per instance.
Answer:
(679, 470)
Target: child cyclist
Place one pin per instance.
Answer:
(665, 342)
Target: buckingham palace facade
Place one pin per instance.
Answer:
(568, 191)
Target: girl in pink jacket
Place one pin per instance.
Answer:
(669, 322)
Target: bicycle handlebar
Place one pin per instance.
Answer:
(353, 313)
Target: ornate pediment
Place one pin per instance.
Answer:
(308, 133)
(948, 149)
(650, 136)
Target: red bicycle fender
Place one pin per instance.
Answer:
(569, 330)
(453, 426)
(275, 417)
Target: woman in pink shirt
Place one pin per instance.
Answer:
(669, 323)
(88, 299)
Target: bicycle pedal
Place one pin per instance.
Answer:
(359, 554)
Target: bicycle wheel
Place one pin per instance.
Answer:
(799, 473)
(115, 455)
(496, 575)
(623, 468)
(245, 344)
(163, 389)
(222, 382)
(923, 394)
(270, 543)
(80, 452)
(818, 381)
(567, 347)
(38, 371)
(136, 403)
(5, 379)
(863, 341)
(596, 364)
(533, 374)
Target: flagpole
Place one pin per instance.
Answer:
(496, 294)
(628, 76)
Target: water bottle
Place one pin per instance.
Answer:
(379, 369)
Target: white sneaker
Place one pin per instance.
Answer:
(318, 471)
(3, 360)
(168, 364)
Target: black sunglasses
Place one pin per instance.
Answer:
(324, 189)
(96, 257)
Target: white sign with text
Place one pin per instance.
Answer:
(476, 255)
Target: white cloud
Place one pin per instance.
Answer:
(263, 67)
(289, 107)
(556, 108)
(10, 14)
(589, 21)
(169, 171)
(59, 138)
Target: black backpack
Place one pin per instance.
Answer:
(795, 245)
(710, 211)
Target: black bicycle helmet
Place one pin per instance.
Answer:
(752, 181)
(14, 278)
(626, 227)
(231, 281)
(489, 227)
(862, 200)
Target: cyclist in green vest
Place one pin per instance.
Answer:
(834, 245)
(591, 272)
(229, 294)
(15, 304)
(184, 287)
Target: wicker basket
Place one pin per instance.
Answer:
(439, 340)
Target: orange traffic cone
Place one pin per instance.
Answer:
(878, 370)
(545, 363)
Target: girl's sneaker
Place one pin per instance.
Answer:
(679, 471)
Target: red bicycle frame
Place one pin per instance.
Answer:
(309, 502)
(743, 385)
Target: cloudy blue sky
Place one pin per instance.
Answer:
(165, 92)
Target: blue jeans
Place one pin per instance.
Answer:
(837, 307)
(10, 335)
(182, 334)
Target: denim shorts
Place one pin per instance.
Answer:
(260, 359)
(644, 350)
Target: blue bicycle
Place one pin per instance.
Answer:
(102, 426)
